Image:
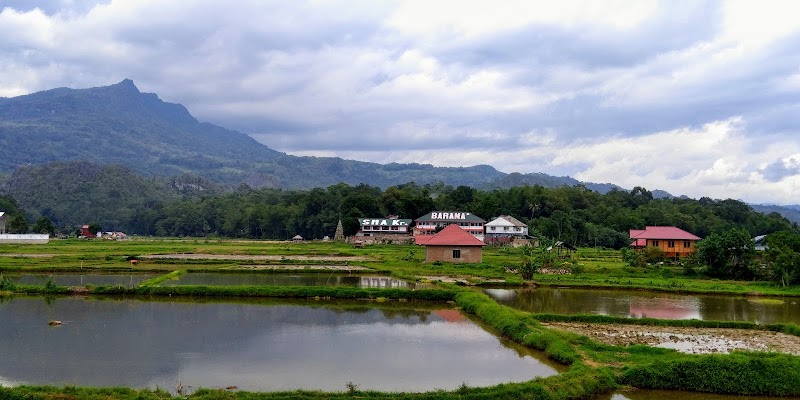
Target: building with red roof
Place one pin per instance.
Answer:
(454, 244)
(674, 241)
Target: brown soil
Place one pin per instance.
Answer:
(687, 340)
(345, 268)
(194, 256)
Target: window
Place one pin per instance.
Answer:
(671, 244)
(456, 253)
(505, 229)
(687, 244)
(655, 243)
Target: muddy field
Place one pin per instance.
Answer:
(343, 268)
(687, 340)
(195, 256)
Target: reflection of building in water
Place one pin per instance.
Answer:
(661, 308)
(382, 282)
(451, 315)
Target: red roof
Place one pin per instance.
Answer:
(422, 239)
(662, 232)
(453, 235)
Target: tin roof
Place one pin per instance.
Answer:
(662, 232)
(450, 216)
(453, 235)
(505, 220)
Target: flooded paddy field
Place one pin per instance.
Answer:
(686, 339)
(79, 279)
(291, 279)
(258, 346)
(641, 304)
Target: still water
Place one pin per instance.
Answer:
(673, 395)
(289, 279)
(264, 346)
(640, 304)
(72, 279)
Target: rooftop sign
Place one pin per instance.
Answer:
(384, 222)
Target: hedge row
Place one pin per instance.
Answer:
(770, 374)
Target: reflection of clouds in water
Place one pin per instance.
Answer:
(9, 383)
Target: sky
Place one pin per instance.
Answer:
(698, 98)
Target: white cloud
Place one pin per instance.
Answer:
(696, 98)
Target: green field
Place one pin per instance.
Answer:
(594, 368)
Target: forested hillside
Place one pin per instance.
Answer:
(119, 125)
(71, 194)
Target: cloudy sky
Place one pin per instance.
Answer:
(693, 97)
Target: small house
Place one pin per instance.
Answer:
(297, 238)
(2, 222)
(674, 241)
(454, 244)
(506, 230)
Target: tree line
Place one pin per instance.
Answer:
(573, 214)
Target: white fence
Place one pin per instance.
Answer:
(24, 238)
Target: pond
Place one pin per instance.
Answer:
(290, 279)
(73, 279)
(639, 304)
(260, 346)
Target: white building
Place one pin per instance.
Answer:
(505, 229)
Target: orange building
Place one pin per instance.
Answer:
(674, 241)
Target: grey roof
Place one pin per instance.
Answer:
(510, 219)
(450, 216)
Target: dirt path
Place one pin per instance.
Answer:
(195, 256)
(687, 340)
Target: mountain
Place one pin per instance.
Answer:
(119, 125)
(790, 212)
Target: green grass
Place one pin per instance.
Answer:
(594, 368)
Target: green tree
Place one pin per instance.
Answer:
(17, 224)
(783, 257)
(44, 225)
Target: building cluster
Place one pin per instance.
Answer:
(452, 236)
(456, 236)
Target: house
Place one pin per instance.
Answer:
(85, 233)
(674, 241)
(454, 244)
(432, 222)
(297, 238)
(760, 243)
(2, 222)
(506, 230)
(384, 230)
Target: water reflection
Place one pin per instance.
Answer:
(264, 347)
(289, 279)
(639, 304)
(73, 279)
(672, 395)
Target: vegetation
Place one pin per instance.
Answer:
(593, 368)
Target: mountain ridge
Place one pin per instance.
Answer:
(120, 125)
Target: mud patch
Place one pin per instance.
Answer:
(195, 256)
(343, 268)
(686, 340)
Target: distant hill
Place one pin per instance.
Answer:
(119, 125)
(790, 212)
